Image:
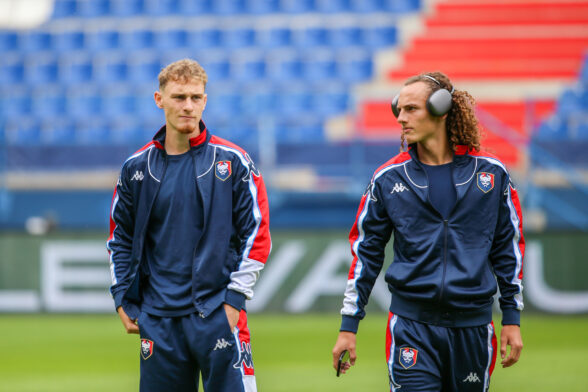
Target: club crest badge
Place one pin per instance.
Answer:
(146, 348)
(485, 181)
(222, 170)
(408, 357)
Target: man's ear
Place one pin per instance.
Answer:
(158, 99)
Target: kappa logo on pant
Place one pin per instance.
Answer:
(245, 359)
(146, 348)
(472, 377)
(220, 344)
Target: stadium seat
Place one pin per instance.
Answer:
(400, 6)
(57, 131)
(75, 68)
(8, 41)
(110, 68)
(354, 65)
(127, 7)
(161, 7)
(117, 100)
(15, 101)
(377, 37)
(262, 6)
(203, 37)
(294, 99)
(272, 37)
(223, 101)
(283, 65)
(125, 130)
(366, 5)
(91, 131)
(22, 131)
(102, 39)
(93, 8)
(66, 41)
(259, 99)
(82, 101)
(309, 37)
(41, 69)
(331, 6)
(330, 99)
(344, 36)
(143, 67)
(136, 38)
(169, 38)
(64, 8)
(47, 101)
(296, 6)
(233, 37)
(216, 65)
(144, 102)
(228, 7)
(34, 41)
(192, 8)
(318, 65)
(247, 66)
(11, 70)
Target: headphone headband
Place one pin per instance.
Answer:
(439, 83)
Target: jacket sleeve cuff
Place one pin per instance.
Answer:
(511, 317)
(118, 300)
(349, 324)
(235, 299)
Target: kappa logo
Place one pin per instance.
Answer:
(146, 348)
(398, 187)
(408, 357)
(220, 344)
(138, 176)
(223, 170)
(485, 181)
(370, 191)
(472, 377)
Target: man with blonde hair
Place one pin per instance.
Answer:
(189, 234)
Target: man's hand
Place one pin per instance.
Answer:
(345, 341)
(129, 324)
(232, 316)
(510, 335)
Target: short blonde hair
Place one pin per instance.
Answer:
(182, 71)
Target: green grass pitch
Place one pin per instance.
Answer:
(44, 353)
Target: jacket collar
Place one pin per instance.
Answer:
(203, 137)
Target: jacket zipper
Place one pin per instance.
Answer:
(445, 229)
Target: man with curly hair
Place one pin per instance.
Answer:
(457, 225)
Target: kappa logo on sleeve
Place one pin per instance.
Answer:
(222, 170)
(146, 348)
(485, 181)
(408, 357)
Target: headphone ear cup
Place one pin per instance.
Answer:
(394, 105)
(439, 103)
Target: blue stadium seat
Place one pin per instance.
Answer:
(15, 101)
(309, 37)
(82, 101)
(8, 41)
(135, 39)
(161, 7)
(294, 99)
(354, 65)
(272, 37)
(297, 6)
(216, 65)
(247, 66)
(117, 100)
(172, 38)
(318, 65)
(125, 130)
(552, 129)
(57, 131)
(92, 131)
(366, 5)
(144, 67)
(344, 36)
(237, 37)
(66, 41)
(12, 70)
(283, 65)
(300, 129)
(191, 7)
(401, 6)
(41, 69)
(569, 103)
(93, 8)
(203, 37)
(34, 41)
(262, 6)
(332, 6)
(330, 99)
(223, 100)
(102, 39)
(127, 7)
(75, 68)
(228, 7)
(110, 68)
(259, 99)
(144, 102)
(379, 36)
(64, 8)
(47, 102)
(22, 131)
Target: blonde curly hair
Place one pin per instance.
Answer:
(462, 124)
(182, 71)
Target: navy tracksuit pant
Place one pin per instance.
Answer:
(176, 350)
(428, 358)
